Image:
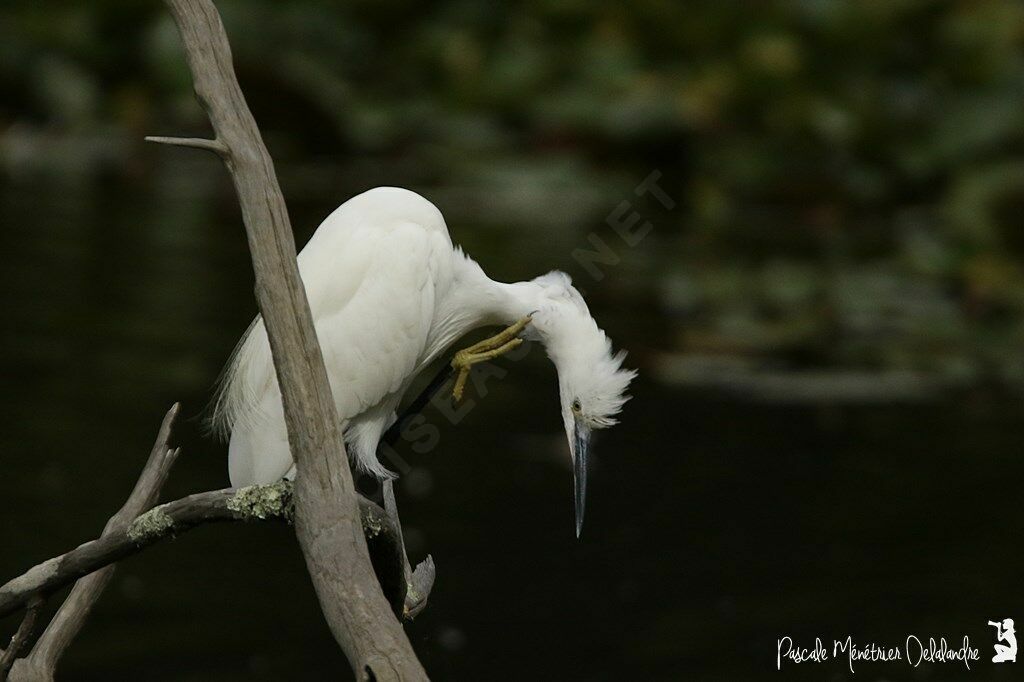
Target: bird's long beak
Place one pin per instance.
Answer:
(581, 444)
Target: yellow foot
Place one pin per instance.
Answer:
(488, 349)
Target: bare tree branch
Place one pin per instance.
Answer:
(91, 565)
(20, 638)
(254, 503)
(214, 146)
(68, 621)
(327, 516)
(41, 663)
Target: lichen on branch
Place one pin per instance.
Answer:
(153, 523)
(261, 502)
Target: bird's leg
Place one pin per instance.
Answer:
(418, 581)
(485, 350)
(445, 373)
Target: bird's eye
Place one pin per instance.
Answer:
(576, 407)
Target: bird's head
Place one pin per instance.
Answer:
(591, 381)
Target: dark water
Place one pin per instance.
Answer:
(715, 524)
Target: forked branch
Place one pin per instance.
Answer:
(76, 608)
(41, 663)
(20, 638)
(137, 525)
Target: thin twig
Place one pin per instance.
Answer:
(21, 637)
(215, 146)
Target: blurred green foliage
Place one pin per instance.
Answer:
(849, 174)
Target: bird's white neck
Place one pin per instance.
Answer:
(474, 300)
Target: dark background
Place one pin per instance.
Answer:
(829, 324)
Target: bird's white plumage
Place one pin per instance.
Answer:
(371, 273)
(389, 292)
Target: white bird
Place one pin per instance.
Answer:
(390, 293)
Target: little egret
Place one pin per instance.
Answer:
(390, 293)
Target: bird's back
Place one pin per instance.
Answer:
(372, 271)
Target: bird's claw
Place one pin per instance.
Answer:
(485, 350)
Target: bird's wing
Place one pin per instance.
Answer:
(371, 290)
(374, 340)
